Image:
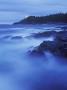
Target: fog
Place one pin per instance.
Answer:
(18, 71)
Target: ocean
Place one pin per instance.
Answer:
(20, 72)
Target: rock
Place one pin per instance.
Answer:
(47, 45)
(37, 53)
(16, 37)
(58, 46)
(44, 34)
(61, 43)
(39, 50)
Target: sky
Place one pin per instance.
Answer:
(15, 10)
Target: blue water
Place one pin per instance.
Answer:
(20, 72)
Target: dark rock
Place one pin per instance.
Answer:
(61, 43)
(16, 37)
(44, 34)
(37, 53)
(47, 45)
(58, 46)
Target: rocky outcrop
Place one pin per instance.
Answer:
(61, 43)
(58, 46)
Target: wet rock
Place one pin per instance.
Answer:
(39, 50)
(36, 53)
(47, 45)
(61, 43)
(58, 46)
(44, 34)
(16, 37)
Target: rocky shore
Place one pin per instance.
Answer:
(58, 46)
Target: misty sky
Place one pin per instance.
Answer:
(14, 10)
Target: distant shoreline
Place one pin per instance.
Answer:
(53, 18)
